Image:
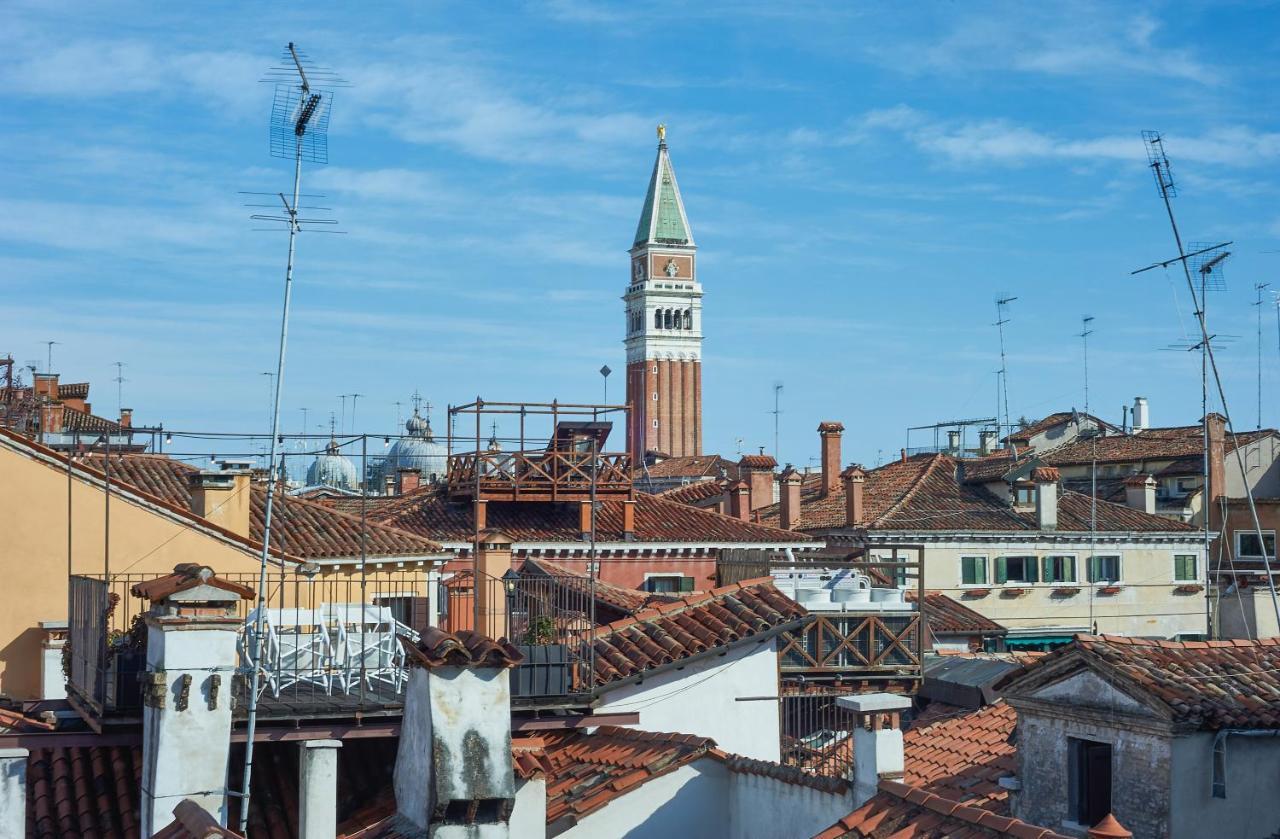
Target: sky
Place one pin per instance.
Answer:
(863, 181)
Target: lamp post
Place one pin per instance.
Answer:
(509, 581)
(604, 373)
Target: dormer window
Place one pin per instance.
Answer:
(1024, 494)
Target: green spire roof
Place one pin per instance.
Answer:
(663, 219)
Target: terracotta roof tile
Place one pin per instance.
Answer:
(16, 721)
(1152, 444)
(951, 616)
(779, 772)
(684, 628)
(695, 492)
(962, 757)
(691, 466)
(1207, 685)
(300, 528)
(430, 515)
(437, 648)
(757, 461)
(623, 600)
(185, 577)
(190, 821)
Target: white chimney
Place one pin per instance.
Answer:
(13, 792)
(1140, 493)
(877, 740)
(454, 775)
(987, 441)
(1141, 420)
(1046, 481)
(186, 715)
(953, 441)
(318, 789)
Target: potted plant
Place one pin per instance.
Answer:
(976, 593)
(545, 669)
(1013, 592)
(127, 657)
(1188, 588)
(1110, 589)
(1066, 591)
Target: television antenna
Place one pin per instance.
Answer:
(120, 380)
(1002, 317)
(1209, 260)
(355, 398)
(777, 412)
(299, 130)
(48, 350)
(1258, 287)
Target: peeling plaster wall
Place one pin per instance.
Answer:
(701, 699)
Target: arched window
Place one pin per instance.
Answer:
(688, 319)
(657, 318)
(666, 319)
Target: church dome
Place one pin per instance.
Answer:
(332, 469)
(419, 450)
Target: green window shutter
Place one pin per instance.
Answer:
(686, 584)
(1032, 568)
(1093, 569)
(1002, 569)
(1047, 562)
(1069, 569)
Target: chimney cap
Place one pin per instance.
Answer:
(1109, 828)
(757, 461)
(1139, 481)
(1046, 475)
(495, 536)
(791, 474)
(830, 427)
(854, 473)
(187, 576)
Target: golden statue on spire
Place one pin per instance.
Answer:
(662, 132)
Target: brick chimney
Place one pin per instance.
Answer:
(1046, 480)
(454, 774)
(757, 471)
(1140, 493)
(223, 497)
(854, 511)
(493, 560)
(52, 415)
(126, 418)
(192, 626)
(1217, 459)
(877, 740)
(628, 520)
(740, 500)
(45, 385)
(790, 483)
(407, 480)
(830, 433)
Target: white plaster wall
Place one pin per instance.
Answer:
(185, 751)
(1247, 613)
(701, 699)
(53, 684)
(412, 775)
(688, 802)
(471, 732)
(529, 815)
(1251, 809)
(766, 808)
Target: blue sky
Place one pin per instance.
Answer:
(863, 181)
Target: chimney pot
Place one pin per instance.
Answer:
(628, 520)
(407, 480)
(126, 417)
(1140, 493)
(740, 500)
(854, 513)
(877, 740)
(904, 455)
(830, 434)
(1046, 480)
(790, 506)
(1141, 419)
(757, 470)
(52, 416)
(223, 498)
(1109, 828)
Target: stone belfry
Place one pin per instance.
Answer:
(664, 323)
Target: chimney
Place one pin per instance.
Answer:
(318, 789)
(987, 441)
(13, 792)
(740, 500)
(481, 514)
(51, 417)
(757, 471)
(45, 385)
(877, 740)
(830, 432)
(493, 560)
(584, 519)
(790, 513)
(126, 418)
(223, 498)
(953, 441)
(454, 765)
(1109, 828)
(1217, 459)
(1140, 493)
(1141, 421)
(407, 480)
(904, 455)
(1046, 481)
(854, 512)
(628, 520)
(192, 627)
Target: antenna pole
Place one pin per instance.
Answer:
(256, 646)
(1001, 320)
(1259, 287)
(1085, 332)
(777, 394)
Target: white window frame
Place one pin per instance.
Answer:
(1088, 571)
(1195, 557)
(1035, 561)
(1249, 532)
(986, 570)
(1075, 564)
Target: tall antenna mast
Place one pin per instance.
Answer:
(355, 397)
(1258, 287)
(48, 350)
(1085, 331)
(777, 412)
(120, 380)
(1002, 318)
(299, 131)
(1159, 163)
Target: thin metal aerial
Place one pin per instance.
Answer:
(1258, 287)
(299, 131)
(1085, 331)
(1002, 304)
(1159, 163)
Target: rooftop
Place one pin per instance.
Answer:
(1153, 444)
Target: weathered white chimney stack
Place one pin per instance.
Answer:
(13, 792)
(1046, 480)
(1141, 419)
(1140, 493)
(186, 714)
(987, 441)
(953, 441)
(454, 776)
(877, 740)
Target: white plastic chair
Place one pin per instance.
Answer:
(365, 638)
(295, 648)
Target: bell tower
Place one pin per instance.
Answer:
(664, 323)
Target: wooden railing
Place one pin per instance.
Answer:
(855, 646)
(538, 475)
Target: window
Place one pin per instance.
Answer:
(688, 319)
(1104, 569)
(1090, 780)
(1184, 568)
(973, 570)
(655, 396)
(666, 319)
(1024, 495)
(657, 324)
(655, 423)
(1059, 569)
(1247, 544)
(1015, 569)
(668, 584)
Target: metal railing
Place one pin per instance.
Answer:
(553, 475)
(551, 621)
(330, 644)
(817, 734)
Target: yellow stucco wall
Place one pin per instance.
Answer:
(33, 554)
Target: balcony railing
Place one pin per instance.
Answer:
(554, 475)
(328, 645)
